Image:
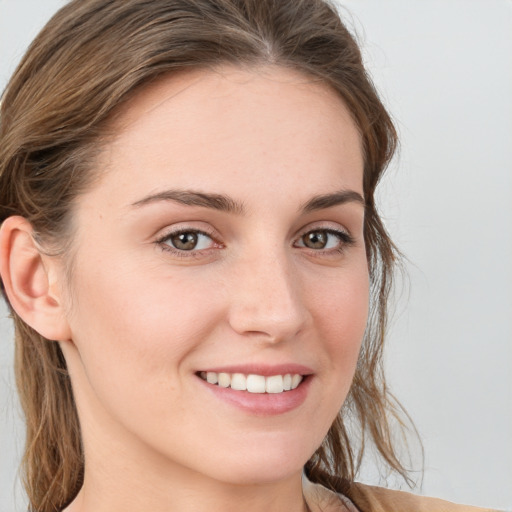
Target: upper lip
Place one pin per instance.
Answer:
(262, 369)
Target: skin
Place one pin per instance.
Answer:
(144, 319)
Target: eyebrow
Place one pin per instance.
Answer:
(227, 204)
(193, 198)
(329, 200)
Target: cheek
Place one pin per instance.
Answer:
(132, 326)
(132, 315)
(134, 333)
(342, 308)
(341, 315)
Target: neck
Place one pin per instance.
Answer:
(139, 481)
(187, 494)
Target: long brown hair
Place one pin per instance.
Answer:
(89, 60)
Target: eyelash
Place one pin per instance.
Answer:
(345, 241)
(344, 238)
(193, 253)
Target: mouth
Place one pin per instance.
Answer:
(254, 383)
(259, 389)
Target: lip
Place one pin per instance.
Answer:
(261, 404)
(260, 369)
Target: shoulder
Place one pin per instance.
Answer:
(368, 498)
(378, 499)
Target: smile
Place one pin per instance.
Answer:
(253, 383)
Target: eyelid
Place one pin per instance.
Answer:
(161, 239)
(346, 239)
(325, 225)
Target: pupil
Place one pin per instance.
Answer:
(185, 241)
(315, 240)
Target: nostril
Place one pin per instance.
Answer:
(267, 323)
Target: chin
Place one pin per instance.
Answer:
(263, 473)
(260, 463)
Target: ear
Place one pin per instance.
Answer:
(29, 278)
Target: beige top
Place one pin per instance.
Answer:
(366, 498)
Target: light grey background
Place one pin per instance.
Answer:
(444, 68)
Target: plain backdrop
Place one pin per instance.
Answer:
(444, 69)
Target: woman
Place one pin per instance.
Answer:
(195, 265)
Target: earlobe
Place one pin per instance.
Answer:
(25, 273)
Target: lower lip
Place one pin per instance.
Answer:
(262, 404)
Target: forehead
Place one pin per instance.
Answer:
(223, 86)
(212, 127)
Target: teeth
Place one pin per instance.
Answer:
(211, 377)
(253, 383)
(274, 384)
(239, 382)
(296, 380)
(224, 380)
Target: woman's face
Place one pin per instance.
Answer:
(224, 237)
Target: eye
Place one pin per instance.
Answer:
(190, 240)
(325, 239)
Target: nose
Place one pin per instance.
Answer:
(267, 299)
